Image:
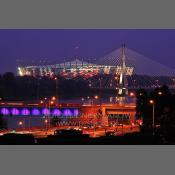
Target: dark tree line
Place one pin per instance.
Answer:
(34, 88)
(31, 88)
(164, 109)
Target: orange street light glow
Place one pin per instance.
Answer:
(96, 97)
(53, 98)
(20, 123)
(131, 94)
(116, 78)
(51, 102)
(151, 101)
(159, 93)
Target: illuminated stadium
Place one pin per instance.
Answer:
(72, 69)
(106, 71)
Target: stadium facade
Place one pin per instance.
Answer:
(72, 69)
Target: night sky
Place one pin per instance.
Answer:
(52, 45)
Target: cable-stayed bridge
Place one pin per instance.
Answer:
(110, 71)
(142, 65)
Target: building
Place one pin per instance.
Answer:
(71, 69)
(69, 114)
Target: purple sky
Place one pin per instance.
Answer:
(34, 45)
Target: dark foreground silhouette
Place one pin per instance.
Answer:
(73, 137)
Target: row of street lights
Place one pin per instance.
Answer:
(22, 124)
(90, 99)
(50, 101)
(47, 102)
(96, 97)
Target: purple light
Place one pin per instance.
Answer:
(56, 112)
(67, 112)
(35, 111)
(76, 112)
(15, 111)
(25, 111)
(45, 111)
(5, 111)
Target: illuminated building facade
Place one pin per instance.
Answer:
(104, 115)
(72, 69)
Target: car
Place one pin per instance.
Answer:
(110, 133)
(77, 128)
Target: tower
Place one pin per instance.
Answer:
(123, 86)
(123, 89)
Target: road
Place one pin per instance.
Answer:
(92, 132)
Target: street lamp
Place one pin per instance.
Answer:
(157, 83)
(140, 94)
(173, 79)
(56, 81)
(50, 103)
(100, 79)
(96, 97)
(131, 94)
(48, 106)
(152, 102)
(160, 93)
(22, 124)
(53, 98)
(135, 83)
(38, 86)
(46, 121)
(82, 99)
(89, 100)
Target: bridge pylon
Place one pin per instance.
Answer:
(122, 88)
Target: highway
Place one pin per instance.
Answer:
(92, 132)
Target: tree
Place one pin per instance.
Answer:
(9, 76)
(3, 123)
(141, 103)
